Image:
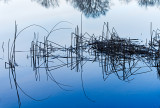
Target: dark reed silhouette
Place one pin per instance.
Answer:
(11, 64)
(120, 56)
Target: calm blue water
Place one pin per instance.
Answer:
(131, 18)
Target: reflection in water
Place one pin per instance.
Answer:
(48, 3)
(12, 64)
(126, 1)
(145, 3)
(120, 56)
(5, 0)
(115, 55)
(94, 8)
(149, 3)
(1, 58)
(91, 8)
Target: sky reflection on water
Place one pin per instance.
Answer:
(130, 19)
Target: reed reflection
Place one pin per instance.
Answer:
(119, 56)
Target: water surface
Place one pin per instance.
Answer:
(130, 19)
